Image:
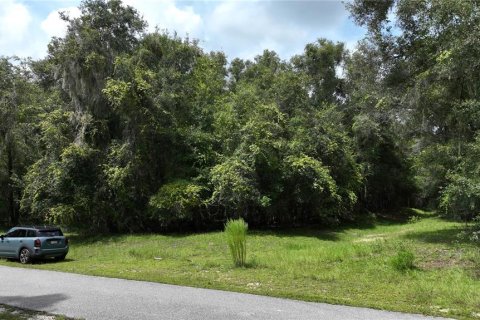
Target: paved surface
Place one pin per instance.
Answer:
(105, 298)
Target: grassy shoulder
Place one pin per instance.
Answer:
(351, 266)
(13, 313)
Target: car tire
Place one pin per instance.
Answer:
(25, 256)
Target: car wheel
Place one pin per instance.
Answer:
(25, 256)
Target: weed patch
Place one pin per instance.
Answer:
(236, 233)
(404, 260)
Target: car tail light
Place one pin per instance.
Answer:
(66, 241)
(37, 243)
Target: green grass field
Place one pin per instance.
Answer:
(351, 266)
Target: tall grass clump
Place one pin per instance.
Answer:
(236, 233)
(404, 260)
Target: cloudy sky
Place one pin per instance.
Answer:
(240, 28)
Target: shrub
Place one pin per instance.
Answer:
(236, 233)
(234, 184)
(176, 201)
(461, 196)
(471, 233)
(403, 260)
(475, 236)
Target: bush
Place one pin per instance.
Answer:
(461, 197)
(471, 233)
(475, 236)
(176, 201)
(403, 260)
(236, 233)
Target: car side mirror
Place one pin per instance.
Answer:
(2, 236)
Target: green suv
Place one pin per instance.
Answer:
(28, 243)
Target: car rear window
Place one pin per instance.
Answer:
(49, 233)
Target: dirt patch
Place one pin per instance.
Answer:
(437, 264)
(370, 239)
(382, 236)
(444, 258)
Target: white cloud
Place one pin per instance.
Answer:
(239, 28)
(324, 15)
(245, 29)
(14, 26)
(167, 15)
(54, 26)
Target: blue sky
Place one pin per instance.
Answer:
(240, 28)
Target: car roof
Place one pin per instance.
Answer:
(37, 227)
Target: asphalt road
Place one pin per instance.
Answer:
(93, 298)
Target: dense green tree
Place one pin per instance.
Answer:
(373, 113)
(21, 103)
(286, 158)
(81, 63)
(461, 196)
(320, 62)
(118, 129)
(429, 61)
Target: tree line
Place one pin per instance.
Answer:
(119, 129)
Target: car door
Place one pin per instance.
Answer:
(30, 238)
(4, 242)
(19, 241)
(10, 243)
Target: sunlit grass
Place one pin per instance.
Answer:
(348, 266)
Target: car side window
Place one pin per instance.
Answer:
(31, 233)
(14, 233)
